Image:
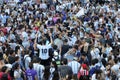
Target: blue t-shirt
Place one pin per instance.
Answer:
(30, 73)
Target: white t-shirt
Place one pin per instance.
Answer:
(108, 50)
(115, 68)
(17, 73)
(44, 51)
(95, 53)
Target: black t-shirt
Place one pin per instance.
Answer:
(65, 70)
(65, 49)
(11, 59)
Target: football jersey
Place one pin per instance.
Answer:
(39, 69)
(44, 51)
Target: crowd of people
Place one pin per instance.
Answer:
(60, 40)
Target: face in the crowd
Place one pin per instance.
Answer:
(83, 57)
(108, 67)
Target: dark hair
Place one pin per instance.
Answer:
(26, 52)
(4, 68)
(104, 62)
(93, 62)
(96, 60)
(31, 65)
(11, 52)
(46, 72)
(98, 73)
(43, 42)
(76, 47)
(4, 77)
(16, 49)
(84, 54)
(66, 40)
(116, 60)
(55, 47)
(55, 65)
(38, 59)
(17, 58)
(64, 61)
(104, 55)
(16, 66)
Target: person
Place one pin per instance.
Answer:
(11, 57)
(4, 74)
(94, 52)
(39, 68)
(44, 50)
(64, 69)
(115, 69)
(31, 74)
(98, 75)
(73, 22)
(83, 73)
(74, 64)
(51, 72)
(4, 77)
(54, 74)
(27, 59)
(17, 72)
(65, 47)
(84, 59)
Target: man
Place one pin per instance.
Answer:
(27, 59)
(65, 47)
(84, 59)
(115, 68)
(73, 64)
(64, 69)
(11, 58)
(39, 68)
(44, 50)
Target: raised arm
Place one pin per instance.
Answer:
(50, 35)
(35, 42)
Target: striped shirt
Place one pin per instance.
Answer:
(75, 66)
(39, 69)
(84, 72)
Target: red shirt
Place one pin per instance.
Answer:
(82, 72)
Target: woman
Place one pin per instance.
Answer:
(51, 72)
(31, 74)
(17, 72)
(54, 71)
